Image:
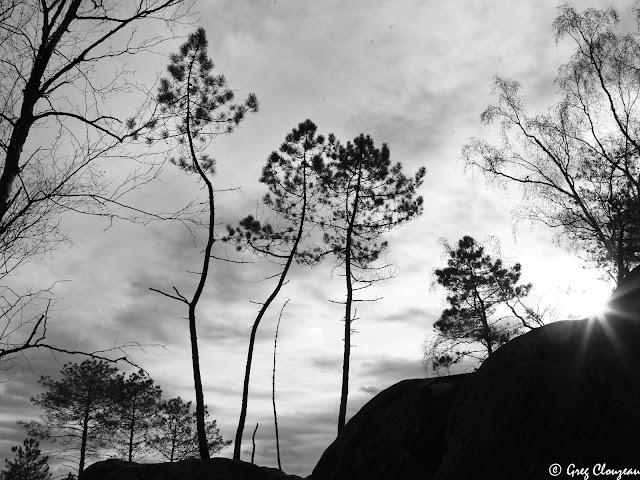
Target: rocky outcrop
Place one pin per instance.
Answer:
(213, 469)
(398, 435)
(566, 394)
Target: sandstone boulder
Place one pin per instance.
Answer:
(566, 393)
(213, 469)
(397, 435)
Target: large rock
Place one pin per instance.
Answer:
(567, 393)
(398, 435)
(213, 469)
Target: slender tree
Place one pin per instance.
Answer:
(78, 410)
(273, 386)
(176, 437)
(253, 443)
(197, 109)
(56, 126)
(485, 305)
(28, 463)
(366, 196)
(135, 411)
(293, 178)
(578, 163)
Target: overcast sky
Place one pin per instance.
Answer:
(413, 74)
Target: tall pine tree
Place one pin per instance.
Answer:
(197, 109)
(366, 196)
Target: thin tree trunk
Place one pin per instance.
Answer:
(245, 389)
(342, 415)
(85, 429)
(197, 379)
(622, 271)
(253, 441)
(173, 443)
(273, 387)
(486, 331)
(132, 428)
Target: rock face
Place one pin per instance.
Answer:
(213, 469)
(398, 435)
(566, 393)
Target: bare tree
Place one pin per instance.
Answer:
(55, 128)
(578, 163)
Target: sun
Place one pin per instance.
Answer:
(587, 303)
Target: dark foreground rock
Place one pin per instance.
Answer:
(566, 394)
(398, 435)
(213, 469)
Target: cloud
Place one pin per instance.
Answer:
(324, 363)
(372, 390)
(406, 315)
(390, 370)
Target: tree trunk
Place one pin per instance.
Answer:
(197, 379)
(245, 389)
(173, 442)
(32, 93)
(342, 415)
(486, 331)
(132, 428)
(85, 428)
(253, 441)
(273, 388)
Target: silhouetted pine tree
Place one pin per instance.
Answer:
(28, 464)
(196, 104)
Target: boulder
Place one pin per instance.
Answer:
(397, 435)
(213, 469)
(567, 393)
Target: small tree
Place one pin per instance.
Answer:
(135, 411)
(366, 197)
(485, 305)
(189, 98)
(28, 464)
(175, 432)
(78, 410)
(293, 178)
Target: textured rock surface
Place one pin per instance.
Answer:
(398, 435)
(213, 469)
(567, 393)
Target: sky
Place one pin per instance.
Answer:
(413, 74)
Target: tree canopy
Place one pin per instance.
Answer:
(578, 162)
(485, 309)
